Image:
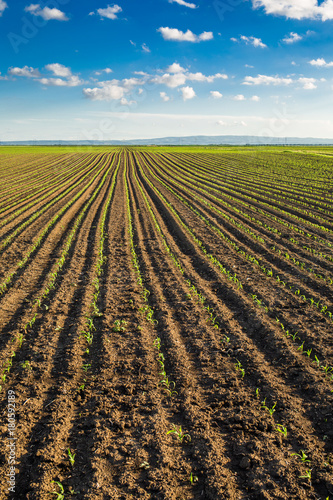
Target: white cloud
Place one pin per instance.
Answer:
(72, 81)
(266, 80)
(59, 70)
(308, 83)
(185, 4)
(175, 35)
(164, 97)
(252, 40)
(124, 102)
(255, 98)
(64, 76)
(105, 70)
(199, 77)
(188, 93)
(175, 68)
(106, 92)
(110, 12)
(46, 13)
(239, 97)
(222, 123)
(113, 90)
(176, 76)
(145, 48)
(297, 9)
(25, 71)
(321, 63)
(130, 83)
(32, 7)
(171, 81)
(215, 94)
(292, 38)
(3, 6)
(249, 66)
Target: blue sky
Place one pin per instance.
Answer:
(94, 70)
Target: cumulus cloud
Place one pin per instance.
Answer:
(3, 6)
(199, 77)
(176, 76)
(222, 123)
(185, 4)
(61, 75)
(297, 9)
(175, 68)
(46, 13)
(164, 97)
(175, 35)
(215, 94)
(321, 63)
(292, 38)
(110, 12)
(72, 81)
(252, 40)
(112, 90)
(266, 80)
(125, 102)
(239, 97)
(255, 98)
(25, 71)
(105, 70)
(306, 83)
(170, 80)
(106, 92)
(187, 93)
(59, 70)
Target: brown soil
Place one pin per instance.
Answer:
(108, 405)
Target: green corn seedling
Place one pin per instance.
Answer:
(302, 455)
(71, 457)
(180, 434)
(61, 495)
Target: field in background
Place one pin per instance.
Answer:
(166, 322)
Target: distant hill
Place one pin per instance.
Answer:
(196, 140)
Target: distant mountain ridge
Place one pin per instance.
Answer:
(195, 140)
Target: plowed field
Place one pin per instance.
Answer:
(144, 291)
